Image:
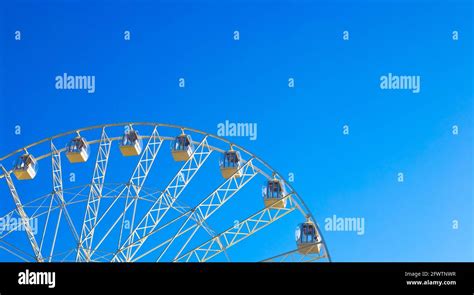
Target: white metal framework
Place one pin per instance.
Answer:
(24, 217)
(129, 221)
(93, 202)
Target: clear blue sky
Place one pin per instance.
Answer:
(299, 129)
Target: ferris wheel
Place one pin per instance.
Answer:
(107, 194)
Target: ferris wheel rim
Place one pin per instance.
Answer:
(304, 208)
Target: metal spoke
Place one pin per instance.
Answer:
(55, 235)
(164, 202)
(24, 217)
(46, 222)
(58, 190)
(93, 202)
(148, 157)
(9, 216)
(136, 181)
(239, 232)
(14, 248)
(213, 203)
(206, 207)
(185, 211)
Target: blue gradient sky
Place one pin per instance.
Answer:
(299, 129)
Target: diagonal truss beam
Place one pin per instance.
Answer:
(24, 217)
(164, 202)
(136, 182)
(238, 232)
(131, 199)
(206, 208)
(9, 216)
(93, 202)
(184, 211)
(213, 203)
(50, 209)
(58, 194)
(12, 249)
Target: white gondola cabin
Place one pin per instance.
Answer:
(25, 167)
(131, 143)
(307, 238)
(273, 194)
(182, 148)
(230, 164)
(77, 150)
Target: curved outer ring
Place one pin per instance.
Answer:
(183, 128)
